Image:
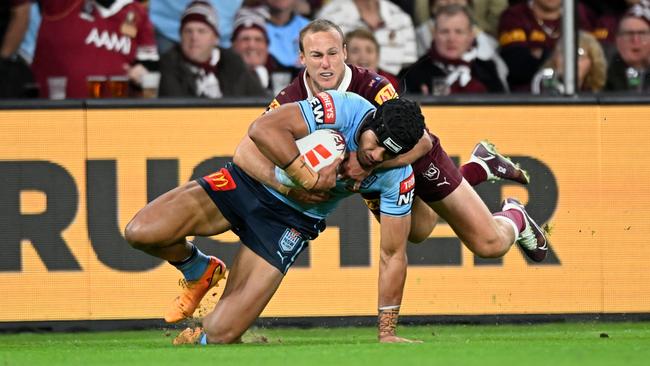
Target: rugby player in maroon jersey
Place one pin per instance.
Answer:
(441, 188)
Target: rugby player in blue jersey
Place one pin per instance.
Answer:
(275, 228)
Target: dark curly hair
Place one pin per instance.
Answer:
(398, 124)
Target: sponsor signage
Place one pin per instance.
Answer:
(72, 179)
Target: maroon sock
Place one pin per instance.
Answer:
(473, 173)
(515, 215)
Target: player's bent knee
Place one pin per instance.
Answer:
(137, 235)
(418, 237)
(487, 248)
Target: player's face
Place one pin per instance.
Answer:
(453, 35)
(363, 52)
(197, 41)
(324, 59)
(251, 45)
(370, 152)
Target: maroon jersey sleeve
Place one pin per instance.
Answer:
(372, 86)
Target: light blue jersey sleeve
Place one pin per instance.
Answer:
(396, 189)
(341, 111)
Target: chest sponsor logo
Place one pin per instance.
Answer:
(110, 41)
(323, 107)
(432, 173)
(406, 191)
(290, 239)
(386, 93)
(221, 180)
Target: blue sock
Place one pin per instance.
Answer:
(194, 266)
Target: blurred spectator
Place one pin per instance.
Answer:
(392, 28)
(363, 50)
(14, 72)
(592, 68)
(630, 67)
(448, 68)
(283, 29)
(487, 13)
(606, 17)
(198, 67)
(528, 32)
(78, 39)
(28, 45)
(166, 14)
(484, 46)
(308, 8)
(251, 42)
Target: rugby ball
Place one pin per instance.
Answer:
(319, 149)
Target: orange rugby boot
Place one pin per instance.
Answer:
(184, 305)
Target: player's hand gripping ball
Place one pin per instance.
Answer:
(319, 149)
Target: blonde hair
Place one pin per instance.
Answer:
(597, 75)
(595, 79)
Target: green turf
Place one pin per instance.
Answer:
(546, 344)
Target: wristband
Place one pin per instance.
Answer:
(301, 173)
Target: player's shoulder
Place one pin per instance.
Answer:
(294, 92)
(374, 87)
(346, 99)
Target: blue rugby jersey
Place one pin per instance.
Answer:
(345, 111)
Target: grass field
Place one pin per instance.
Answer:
(585, 344)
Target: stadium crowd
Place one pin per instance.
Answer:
(212, 48)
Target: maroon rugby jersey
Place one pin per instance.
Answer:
(518, 26)
(77, 39)
(373, 87)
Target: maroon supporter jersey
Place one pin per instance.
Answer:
(373, 87)
(518, 26)
(77, 39)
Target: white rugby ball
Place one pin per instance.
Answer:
(319, 149)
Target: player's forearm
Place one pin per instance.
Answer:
(254, 163)
(392, 272)
(15, 30)
(422, 147)
(392, 276)
(274, 136)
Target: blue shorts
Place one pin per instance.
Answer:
(274, 231)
